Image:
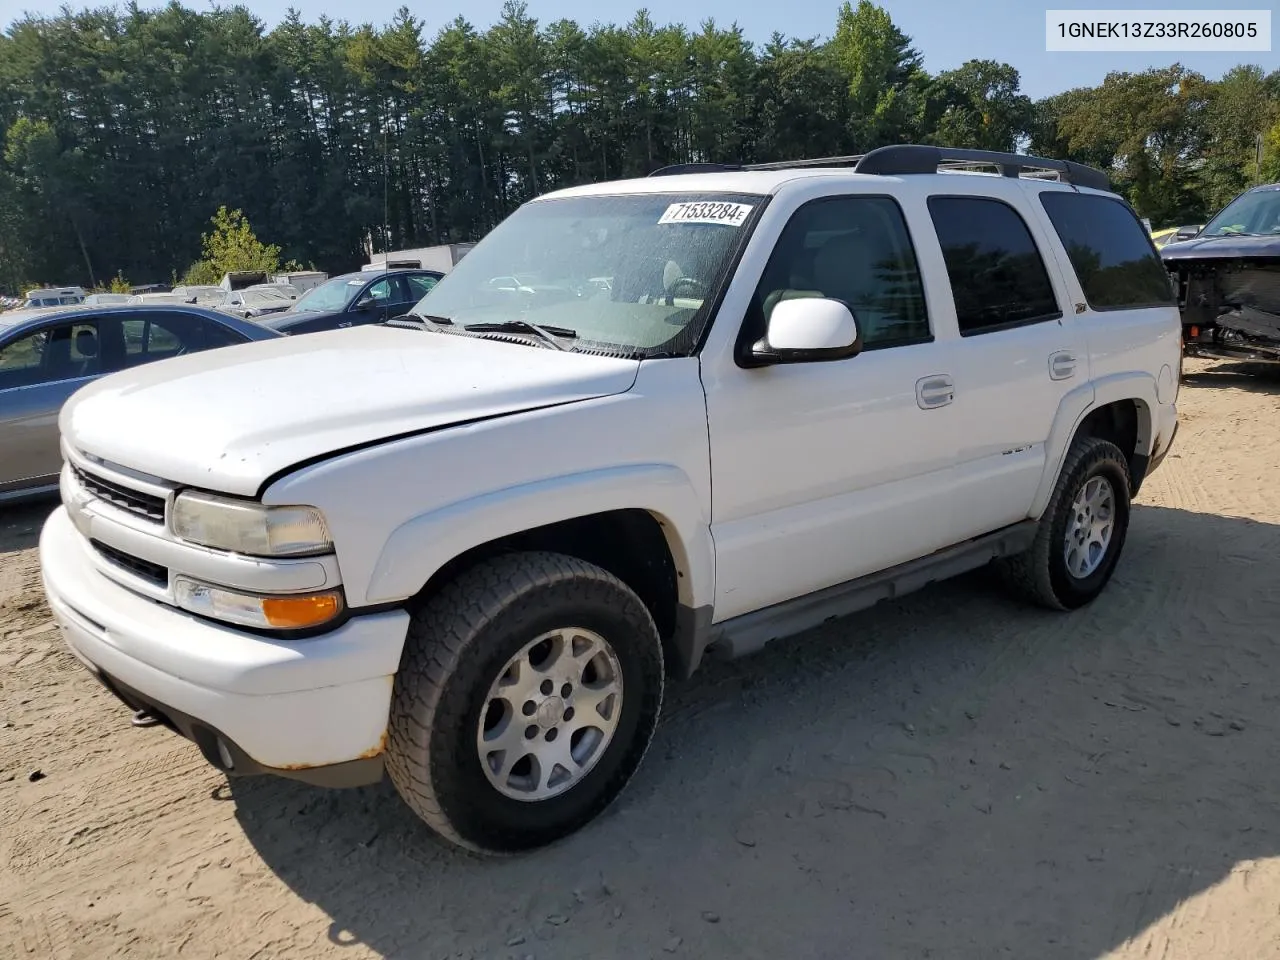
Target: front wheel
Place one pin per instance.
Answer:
(1082, 530)
(526, 699)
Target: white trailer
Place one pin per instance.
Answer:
(442, 258)
(303, 280)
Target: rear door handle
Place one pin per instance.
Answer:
(1062, 365)
(935, 391)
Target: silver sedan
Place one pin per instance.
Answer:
(47, 355)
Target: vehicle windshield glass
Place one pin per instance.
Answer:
(634, 273)
(263, 296)
(330, 296)
(1256, 212)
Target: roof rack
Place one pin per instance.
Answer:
(909, 158)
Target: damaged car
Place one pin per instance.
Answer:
(1228, 280)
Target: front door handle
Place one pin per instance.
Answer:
(1062, 365)
(935, 391)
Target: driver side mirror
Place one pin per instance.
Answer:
(808, 329)
(365, 303)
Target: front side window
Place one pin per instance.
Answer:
(635, 274)
(1109, 250)
(998, 278)
(66, 352)
(856, 250)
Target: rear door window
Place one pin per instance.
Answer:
(998, 277)
(1111, 253)
(155, 336)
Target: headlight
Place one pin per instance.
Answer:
(242, 526)
(280, 612)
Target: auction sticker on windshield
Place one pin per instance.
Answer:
(705, 211)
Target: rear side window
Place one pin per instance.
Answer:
(998, 277)
(1109, 251)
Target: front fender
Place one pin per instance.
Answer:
(1078, 404)
(422, 545)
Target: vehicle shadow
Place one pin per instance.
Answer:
(1250, 377)
(20, 524)
(953, 774)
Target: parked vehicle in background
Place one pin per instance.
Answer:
(141, 298)
(355, 299)
(201, 295)
(1175, 234)
(287, 289)
(45, 356)
(102, 299)
(1228, 280)
(150, 288)
(441, 258)
(255, 302)
(478, 562)
(303, 280)
(54, 297)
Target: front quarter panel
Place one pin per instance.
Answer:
(399, 511)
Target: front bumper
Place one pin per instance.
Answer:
(313, 709)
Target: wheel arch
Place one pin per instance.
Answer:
(643, 524)
(1120, 408)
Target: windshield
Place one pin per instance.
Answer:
(634, 273)
(263, 297)
(1256, 212)
(329, 297)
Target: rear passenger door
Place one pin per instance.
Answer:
(1127, 308)
(1018, 354)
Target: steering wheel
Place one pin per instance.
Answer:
(697, 289)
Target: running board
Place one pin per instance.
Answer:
(750, 632)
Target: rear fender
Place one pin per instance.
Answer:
(1078, 404)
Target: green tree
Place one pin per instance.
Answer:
(229, 247)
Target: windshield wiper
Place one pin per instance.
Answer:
(430, 316)
(548, 334)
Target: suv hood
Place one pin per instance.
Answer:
(1222, 248)
(228, 419)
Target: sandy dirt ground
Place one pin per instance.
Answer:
(950, 775)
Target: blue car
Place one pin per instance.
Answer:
(47, 355)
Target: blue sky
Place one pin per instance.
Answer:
(947, 32)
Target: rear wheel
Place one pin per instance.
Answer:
(528, 693)
(1082, 530)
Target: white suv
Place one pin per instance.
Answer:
(640, 421)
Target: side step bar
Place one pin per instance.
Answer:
(751, 631)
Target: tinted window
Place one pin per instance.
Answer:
(997, 276)
(420, 285)
(853, 249)
(1110, 252)
(216, 335)
(159, 335)
(66, 352)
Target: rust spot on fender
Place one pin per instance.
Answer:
(381, 748)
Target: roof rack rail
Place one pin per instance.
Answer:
(815, 162)
(908, 158)
(678, 168)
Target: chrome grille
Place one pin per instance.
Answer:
(139, 504)
(144, 569)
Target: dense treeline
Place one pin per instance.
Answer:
(125, 130)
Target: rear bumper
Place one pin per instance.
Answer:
(314, 710)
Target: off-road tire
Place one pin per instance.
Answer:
(1040, 574)
(458, 642)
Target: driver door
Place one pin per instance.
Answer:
(823, 472)
(373, 305)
